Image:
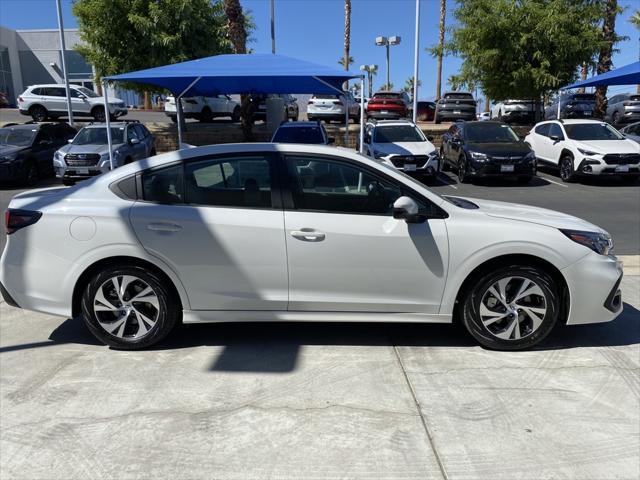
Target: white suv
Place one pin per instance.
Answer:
(42, 102)
(204, 109)
(402, 145)
(584, 147)
(332, 107)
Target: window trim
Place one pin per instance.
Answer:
(274, 171)
(287, 192)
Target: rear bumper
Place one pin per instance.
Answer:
(449, 115)
(387, 113)
(594, 289)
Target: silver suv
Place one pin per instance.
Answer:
(42, 102)
(87, 155)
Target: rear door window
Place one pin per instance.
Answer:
(556, 130)
(543, 129)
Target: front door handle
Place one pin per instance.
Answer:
(308, 235)
(164, 227)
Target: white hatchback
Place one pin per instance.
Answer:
(282, 232)
(584, 148)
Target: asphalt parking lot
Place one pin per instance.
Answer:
(325, 401)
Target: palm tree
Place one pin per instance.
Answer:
(346, 67)
(347, 59)
(635, 21)
(408, 86)
(372, 72)
(440, 48)
(605, 63)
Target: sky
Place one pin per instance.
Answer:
(314, 30)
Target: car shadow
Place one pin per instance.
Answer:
(596, 181)
(511, 182)
(274, 347)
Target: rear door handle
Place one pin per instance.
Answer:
(164, 227)
(308, 235)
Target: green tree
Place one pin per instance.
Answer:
(341, 62)
(609, 39)
(387, 87)
(552, 39)
(124, 35)
(635, 19)
(408, 86)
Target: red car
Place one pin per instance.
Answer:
(388, 105)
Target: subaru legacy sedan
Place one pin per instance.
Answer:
(284, 232)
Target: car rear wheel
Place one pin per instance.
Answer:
(98, 114)
(442, 162)
(567, 174)
(235, 116)
(129, 308)
(437, 119)
(38, 113)
(206, 115)
(30, 176)
(512, 308)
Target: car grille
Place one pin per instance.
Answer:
(82, 159)
(401, 160)
(507, 159)
(621, 158)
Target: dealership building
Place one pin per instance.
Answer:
(30, 57)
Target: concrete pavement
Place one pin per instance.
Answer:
(319, 401)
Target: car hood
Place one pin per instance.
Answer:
(527, 213)
(10, 150)
(609, 146)
(500, 149)
(99, 149)
(405, 148)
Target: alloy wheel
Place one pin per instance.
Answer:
(565, 169)
(513, 308)
(126, 307)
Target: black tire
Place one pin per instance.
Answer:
(30, 173)
(437, 119)
(167, 315)
(615, 118)
(525, 179)
(152, 153)
(127, 161)
(38, 113)
(206, 115)
(173, 118)
(235, 116)
(67, 182)
(567, 174)
(463, 176)
(98, 114)
(529, 333)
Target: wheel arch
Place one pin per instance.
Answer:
(515, 259)
(566, 152)
(86, 275)
(33, 105)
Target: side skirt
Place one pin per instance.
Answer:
(222, 316)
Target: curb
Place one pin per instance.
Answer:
(630, 264)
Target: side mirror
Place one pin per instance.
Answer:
(405, 208)
(82, 97)
(331, 141)
(134, 141)
(430, 138)
(555, 138)
(69, 140)
(456, 141)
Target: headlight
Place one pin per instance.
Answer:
(433, 155)
(601, 243)
(587, 152)
(479, 157)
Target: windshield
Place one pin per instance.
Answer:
(87, 92)
(489, 133)
(298, 135)
(98, 136)
(592, 131)
(19, 137)
(398, 133)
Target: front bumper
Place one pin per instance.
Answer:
(450, 115)
(67, 172)
(419, 166)
(594, 294)
(494, 169)
(592, 169)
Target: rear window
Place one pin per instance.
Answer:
(325, 96)
(299, 135)
(461, 96)
(387, 95)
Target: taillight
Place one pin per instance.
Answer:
(15, 219)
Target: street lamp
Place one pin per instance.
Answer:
(387, 42)
(369, 69)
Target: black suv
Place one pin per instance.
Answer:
(26, 151)
(575, 105)
(455, 106)
(486, 149)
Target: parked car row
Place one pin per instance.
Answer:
(32, 151)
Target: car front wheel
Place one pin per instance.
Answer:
(567, 173)
(512, 308)
(129, 308)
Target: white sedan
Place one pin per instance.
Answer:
(281, 232)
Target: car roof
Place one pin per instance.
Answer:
(52, 85)
(112, 124)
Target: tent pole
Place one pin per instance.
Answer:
(107, 119)
(346, 121)
(559, 101)
(361, 113)
(179, 113)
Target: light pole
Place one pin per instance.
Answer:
(64, 64)
(415, 64)
(387, 42)
(273, 28)
(368, 69)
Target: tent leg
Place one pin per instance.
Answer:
(361, 146)
(107, 118)
(180, 120)
(559, 101)
(346, 122)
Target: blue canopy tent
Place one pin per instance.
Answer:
(627, 75)
(240, 74)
